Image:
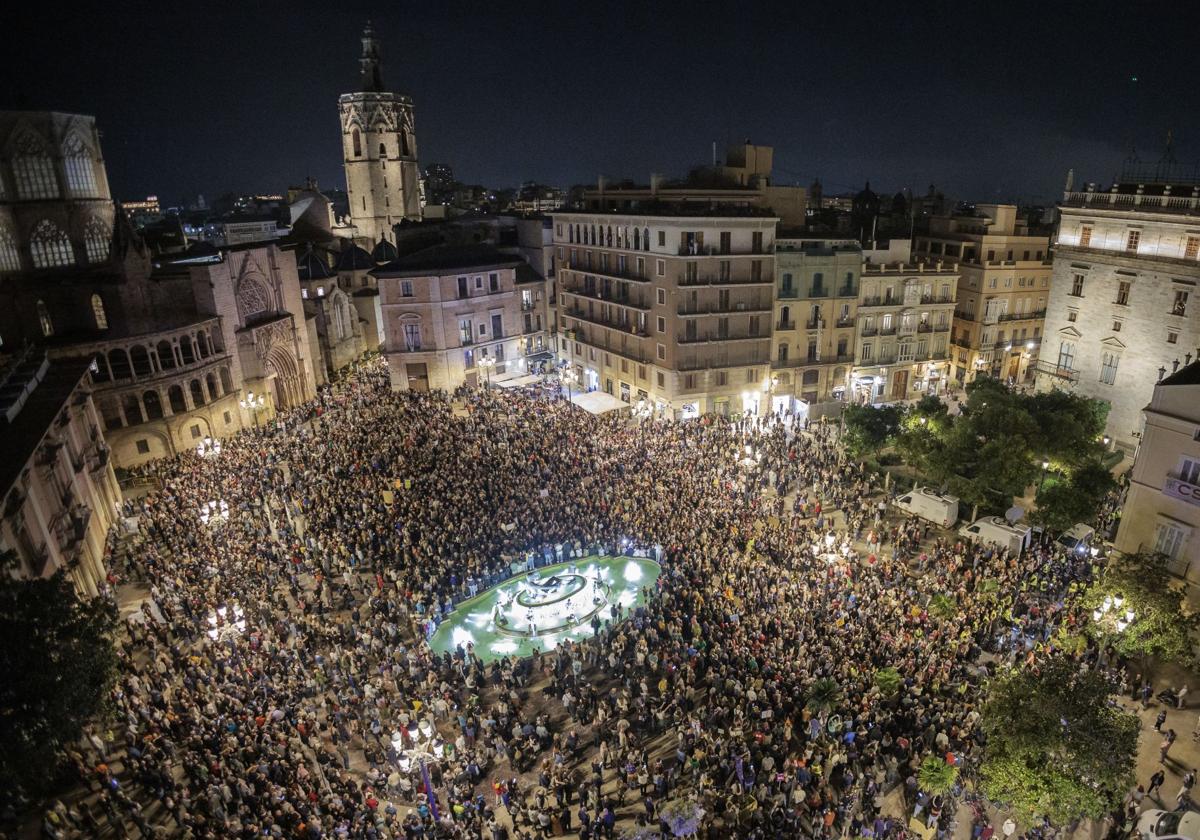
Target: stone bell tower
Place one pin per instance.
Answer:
(379, 148)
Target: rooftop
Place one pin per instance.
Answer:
(1187, 375)
(447, 258)
(32, 393)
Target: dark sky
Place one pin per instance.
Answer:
(989, 100)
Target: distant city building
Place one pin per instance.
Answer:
(144, 212)
(460, 314)
(1123, 300)
(1162, 507)
(58, 494)
(1002, 289)
(379, 148)
(532, 199)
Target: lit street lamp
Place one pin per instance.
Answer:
(1045, 466)
(208, 447)
(487, 363)
(252, 402)
(569, 378)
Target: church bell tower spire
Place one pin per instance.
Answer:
(371, 63)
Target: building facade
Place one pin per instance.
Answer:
(379, 148)
(459, 315)
(905, 311)
(669, 307)
(1123, 299)
(816, 307)
(58, 493)
(1003, 289)
(1162, 506)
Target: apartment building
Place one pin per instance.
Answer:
(816, 306)
(1122, 309)
(1162, 507)
(905, 311)
(1003, 288)
(460, 314)
(668, 304)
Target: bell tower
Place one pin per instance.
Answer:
(379, 149)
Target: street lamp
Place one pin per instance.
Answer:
(215, 511)
(1045, 466)
(208, 447)
(569, 378)
(252, 402)
(487, 363)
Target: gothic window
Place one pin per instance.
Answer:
(98, 313)
(77, 162)
(10, 259)
(646, 239)
(383, 152)
(404, 144)
(637, 239)
(95, 239)
(44, 319)
(49, 246)
(33, 169)
(356, 141)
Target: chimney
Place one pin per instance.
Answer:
(1070, 181)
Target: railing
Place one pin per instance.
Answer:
(626, 352)
(941, 328)
(844, 322)
(718, 280)
(619, 300)
(1051, 369)
(1132, 201)
(924, 267)
(707, 337)
(734, 309)
(959, 341)
(612, 274)
(787, 294)
(785, 325)
(887, 330)
(630, 327)
(718, 251)
(847, 291)
(937, 298)
(869, 331)
(878, 301)
(964, 315)
(814, 323)
(1023, 316)
(818, 291)
(924, 327)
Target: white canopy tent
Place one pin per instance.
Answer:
(598, 402)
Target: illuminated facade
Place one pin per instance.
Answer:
(379, 147)
(1002, 290)
(1123, 299)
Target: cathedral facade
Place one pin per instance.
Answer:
(379, 147)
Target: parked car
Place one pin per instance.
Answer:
(1078, 538)
(939, 509)
(1169, 825)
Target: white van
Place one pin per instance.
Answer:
(938, 509)
(996, 531)
(1078, 538)
(1169, 825)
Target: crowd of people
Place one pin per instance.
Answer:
(276, 680)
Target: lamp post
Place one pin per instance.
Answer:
(208, 447)
(1045, 466)
(487, 363)
(252, 402)
(569, 378)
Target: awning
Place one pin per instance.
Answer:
(540, 356)
(518, 381)
(598, 402)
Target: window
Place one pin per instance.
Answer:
(662, 352)
(1077, 285)
(660, 379)
(412, 337)
(1072, 315)
(469, 359)
(356, 142)
(1131, 242)
(660, 267)
(10, 258)
(33, 170)
(77, 162)
(479, 284)
(722, 378)
(98, 313)
(1116, 326)
(406, 289)
(661, 295)
(1179, 306)
(661, 324)
(49, 246)
(1191, 248)
(320, 291)
(992, 283)
(1108, 368)
(1122, 293)
(228, 419)
(1169, 539)
(95, 240)
(1172, 338)
(44, 319)
(143, 447)
(1085, 236)
(1066, 356)
(1189, 470)
(493, 282)
(866, 351)
(195, 430)
(462, 287)
(662, 239)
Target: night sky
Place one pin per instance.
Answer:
(988, 103)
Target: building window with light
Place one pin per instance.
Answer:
(1066, 356)
(49, 246)
(95, 239)
(98, 313)
(33, 169)
(80, 171)
(1108, 368)
(1131, 242)
(412, 337)
(10, 258)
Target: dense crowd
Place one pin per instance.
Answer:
(276, 681)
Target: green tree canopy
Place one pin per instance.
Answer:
(1055, 747)
(59, 664)
(1063, 502)
(869, 429)
(1163, 625)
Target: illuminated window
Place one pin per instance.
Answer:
(44, 319)
(1108, 368)
(1192, 249)
(95, 239)
(356, 140)
(49, 246)
(1077, 285)
(1131, 243)
(1085, 236)
(10, 259)
(98, 313)
(33, 169)
(77, 162)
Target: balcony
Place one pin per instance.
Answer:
(887, 330)
(787, 294)
(735, 309)
(785, 325)
(844, 322)
(619, 300)
(1181, 204)
(937, 298)
(924, 327)
(629, 327)
(1023, 316)
(722, 280)
(814, 323)
(715, 336)
(847, 291)
(718, 251)
(1051, 369)
(592, 341)
(614, 274)
(818, 292)
(869, 331)
(878, 301)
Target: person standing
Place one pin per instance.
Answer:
(1182, 693)
(1156, 782)
(1185, 788)
(1159, 720)
(1165, 747)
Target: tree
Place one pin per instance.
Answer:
(1055, 747)
(1162, 625)
(59, 664)
(824, 695)
(1062, 503)
(942, 606)
(921, 432)
(888, 681)
(936, 776)
(1070, 427)
(868, 429)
